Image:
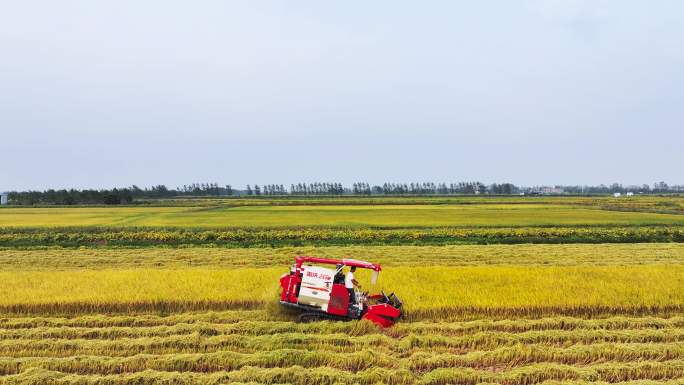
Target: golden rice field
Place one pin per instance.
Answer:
(56, 258)
(429, 292)
(159, 308)
(248, 347)
(504, 314)
(384, 216)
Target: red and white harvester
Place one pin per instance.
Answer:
(319, 293)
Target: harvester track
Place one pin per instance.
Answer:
(313, 317)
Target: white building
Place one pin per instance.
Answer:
(630, 194)
(3, 198)
(617, 195)
(551, 190)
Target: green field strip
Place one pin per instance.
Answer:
(301, 236)
(337, 216)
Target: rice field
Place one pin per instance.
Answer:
(57, 258)
(183, 300)
(433, 292)
(507, 314)
(355, 216)
(250, 347)
(240, 238)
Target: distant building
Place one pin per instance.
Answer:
(3, 198)
(617, 195)
(630, 194)
(547, 190)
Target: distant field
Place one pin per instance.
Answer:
(652, 203)
(390, 216)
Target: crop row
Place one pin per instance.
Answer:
(218, 347)
(10, 237)
(267, 322)
(420, 361)
(56, 258)
(335, 342)
(10, 331)
(526, 375)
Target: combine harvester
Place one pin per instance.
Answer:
(319, 293)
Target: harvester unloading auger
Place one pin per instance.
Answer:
(319, 293)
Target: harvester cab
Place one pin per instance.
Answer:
(319, 292)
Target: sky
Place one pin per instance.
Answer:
(99, 94)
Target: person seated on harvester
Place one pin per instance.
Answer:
(349, 283)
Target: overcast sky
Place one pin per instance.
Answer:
(113, 93)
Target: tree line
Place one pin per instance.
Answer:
(114, 196)
(128, 195)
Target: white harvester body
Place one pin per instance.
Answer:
(316, 287)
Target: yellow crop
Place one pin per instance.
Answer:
(388, 256)
(429, 292)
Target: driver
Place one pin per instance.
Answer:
(349, 283)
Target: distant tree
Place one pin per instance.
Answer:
(660, 187)
(111, 199)
(616, 187)
(507, 188)
(126, 196)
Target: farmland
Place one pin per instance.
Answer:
(355, 216)
(572, 291)
(100, 258)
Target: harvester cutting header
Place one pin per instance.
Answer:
(324, 293)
